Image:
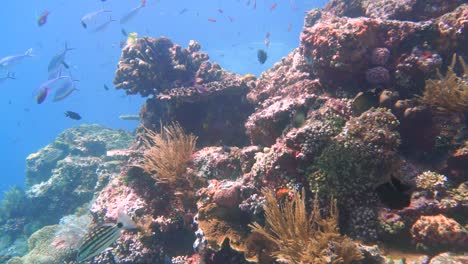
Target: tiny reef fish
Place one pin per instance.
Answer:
(262, 56)
(42, 19)
(97, 240)
(212, 19)
(73, 115)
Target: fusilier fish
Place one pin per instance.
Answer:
(14, 59)
(96, 241)
(104, 25)
(43, 90)
(67, 88)
(86, 19)
(129, 117)
(57, 61)
(132, 13)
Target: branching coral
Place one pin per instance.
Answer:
(168, 153)
(300, 238)
(450, 92)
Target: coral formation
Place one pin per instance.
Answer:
(300, 237)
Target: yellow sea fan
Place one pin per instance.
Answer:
(449, 93)
(303, 238)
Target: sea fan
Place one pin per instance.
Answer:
(168, 153)
(300, 238)
(449, 93)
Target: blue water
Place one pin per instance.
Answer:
(27, 126)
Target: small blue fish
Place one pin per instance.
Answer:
(57, 60)
(10, 61)
(97, 240)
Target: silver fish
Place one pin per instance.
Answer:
(49, 85)
(65, 90)
(129, 117)
(58, 60)
(130, 14)
(86, 19)
(96, 241)
(14, 59)
(103, 26)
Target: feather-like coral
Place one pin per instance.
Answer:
(168, 152)
(303, 238)
(449, 93)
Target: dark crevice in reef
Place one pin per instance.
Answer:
(394, 194)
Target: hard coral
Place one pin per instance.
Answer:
(300, 237)
(153, 65)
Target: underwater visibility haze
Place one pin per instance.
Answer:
(234, 131)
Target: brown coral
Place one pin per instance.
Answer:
(302, 239)
(450, 92)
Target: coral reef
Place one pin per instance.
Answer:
(351, 113)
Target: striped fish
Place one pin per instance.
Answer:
(96, 241)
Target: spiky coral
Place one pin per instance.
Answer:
(168, 153)
(300, 238)
(450, 92)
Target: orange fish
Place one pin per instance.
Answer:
(280, 193)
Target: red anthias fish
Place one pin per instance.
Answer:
(40, 98)
(42, 19)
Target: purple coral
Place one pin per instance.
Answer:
(377, 75)
(380, 56)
